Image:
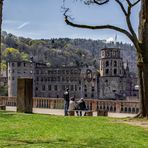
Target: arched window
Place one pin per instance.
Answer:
(111, 108)
(115, 63)
(133, 110)
(107, 63)
(125, 109)
(107, 71)
(115, 71)
(129, 110)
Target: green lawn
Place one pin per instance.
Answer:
(19, 130)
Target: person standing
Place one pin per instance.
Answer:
(66, 102)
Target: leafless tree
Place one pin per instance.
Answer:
(140, 42)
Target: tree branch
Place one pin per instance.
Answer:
(129, 24)
(99, 2)
(130, 34)
(136, 2)
(68, 22)
(122, 7)
(132, 4)
(129, 3)
(127, 14)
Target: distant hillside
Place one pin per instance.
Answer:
(65, 51)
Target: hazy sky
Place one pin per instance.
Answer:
(43, 19)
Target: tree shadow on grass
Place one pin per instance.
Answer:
(92, 142)
(6, 114)
(33, 143)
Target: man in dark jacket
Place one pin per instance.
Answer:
(66, 102)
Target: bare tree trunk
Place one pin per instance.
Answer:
(1, 9)
(143, 72)
(145, 89)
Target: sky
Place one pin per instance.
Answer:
(43, 19)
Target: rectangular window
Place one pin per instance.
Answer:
(107, 63)
(19, 64)
(55, 87)
(92, 95)
(63, 79)
(54, 72)
(58, 78)
(63, 71)
(92, 89)
(49, 72)
(71, 72)
(49, 79)
(13, 65)
(37, 71)
(43, 87)
(71, 87)
(67, 71)
(49, 87)
(37, 78)
(63, 87)
(107, 71)
(59, 71)
(115, 71)
(45, 79)
(75, 87)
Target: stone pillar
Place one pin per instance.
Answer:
(94, 105)
(118, 106)
(24, 95)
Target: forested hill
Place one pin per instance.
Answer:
(62, 51)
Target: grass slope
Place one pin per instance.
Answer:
(19, 130)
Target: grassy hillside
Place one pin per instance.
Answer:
(62, 51)
(19, 130)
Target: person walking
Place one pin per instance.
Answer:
(66, 102)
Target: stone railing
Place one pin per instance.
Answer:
(3, 100)
(120, 106)
(52, 103)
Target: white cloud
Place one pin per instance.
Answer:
(23, 25)
(111, 39)
(10, 21)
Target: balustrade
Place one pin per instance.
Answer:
(120, 106)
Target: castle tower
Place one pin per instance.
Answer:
(18, 70)
(111, 73)
(111, 63)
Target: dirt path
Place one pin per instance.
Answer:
(143, 124)
(135, 122)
